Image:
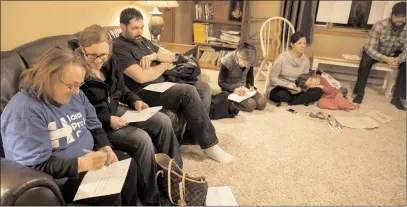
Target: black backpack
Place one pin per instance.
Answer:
(221, 107)
(186, 70)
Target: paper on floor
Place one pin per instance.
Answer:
(159, 87)
(357, 122)
(379, 116)
(351, 57)
(106, 181)
(139, 116)
(237, 98)
(220, 196)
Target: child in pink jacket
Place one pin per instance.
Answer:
(332, 99)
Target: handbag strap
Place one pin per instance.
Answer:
(182, 191)
(181, 202)
(169, 181)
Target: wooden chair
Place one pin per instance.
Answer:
(275, 36)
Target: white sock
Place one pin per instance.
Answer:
(218, 154)
(196, 149)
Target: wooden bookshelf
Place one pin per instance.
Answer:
(216, 45)
(208, 66)
(211, 21)
(223, 20)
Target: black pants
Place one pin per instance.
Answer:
(127, 197)
(185, 99)
(363, 74)
(279, 94)
(141, 140)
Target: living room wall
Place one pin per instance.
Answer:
(259, 12)
(25, 21)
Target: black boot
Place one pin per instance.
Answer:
(396, 102)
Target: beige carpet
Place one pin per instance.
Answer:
(291, 159)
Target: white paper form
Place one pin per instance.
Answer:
(139, 116)
(106, 181)
(379, 116)
(220, 196)
(237, 98)
(159, 87)
(357, 122)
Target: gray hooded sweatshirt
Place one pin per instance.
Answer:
(286, 69)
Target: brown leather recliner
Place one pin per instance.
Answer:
(21, 185)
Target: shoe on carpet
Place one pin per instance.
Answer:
(396, 102)
(358, 100)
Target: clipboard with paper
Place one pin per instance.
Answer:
(237, 98)
(295, 90)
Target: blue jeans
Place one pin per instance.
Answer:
(185, 99)
(141, 140)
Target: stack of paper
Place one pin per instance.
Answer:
(351, 57)
(220, 196)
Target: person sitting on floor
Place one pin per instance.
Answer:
(332, 99)
(386, 43)
(236, 73)
(143, 63)
(288, 66)
(105, 89)
(50, 125)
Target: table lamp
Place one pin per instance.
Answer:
(156, 23)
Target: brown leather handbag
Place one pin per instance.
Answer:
(181, 189)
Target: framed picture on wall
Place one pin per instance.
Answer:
(236, 10)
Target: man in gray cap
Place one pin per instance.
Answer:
(386, 43)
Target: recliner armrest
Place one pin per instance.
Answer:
(21, 185)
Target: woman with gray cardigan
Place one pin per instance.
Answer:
(288, 66)
(236, 74)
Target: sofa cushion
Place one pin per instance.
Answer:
(32, 51)
(11, 68)
(114, 31)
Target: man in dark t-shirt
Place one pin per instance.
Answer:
(143, 63)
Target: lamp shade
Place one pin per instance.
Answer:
(160, 4)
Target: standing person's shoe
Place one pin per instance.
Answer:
(358, 99)
(397, 102)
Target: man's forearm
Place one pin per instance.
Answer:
(165, 56)
(144, 76)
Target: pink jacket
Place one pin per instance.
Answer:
(333, 98)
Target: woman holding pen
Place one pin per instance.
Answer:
(50, 124)
(288, 66)
(105, 89)
(236, 76)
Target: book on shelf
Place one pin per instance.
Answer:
(202, 32)
(213, 57)
(204, 11)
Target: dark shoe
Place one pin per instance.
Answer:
(358, 100)
(278, 104)
(396, 102)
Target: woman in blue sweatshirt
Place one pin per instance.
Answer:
(50, 125)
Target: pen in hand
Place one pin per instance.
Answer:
(89, 151)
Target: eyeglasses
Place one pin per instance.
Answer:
(94, 57)
(71, 87)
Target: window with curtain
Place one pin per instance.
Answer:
(353, 14)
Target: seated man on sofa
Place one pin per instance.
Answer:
(143, 63)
